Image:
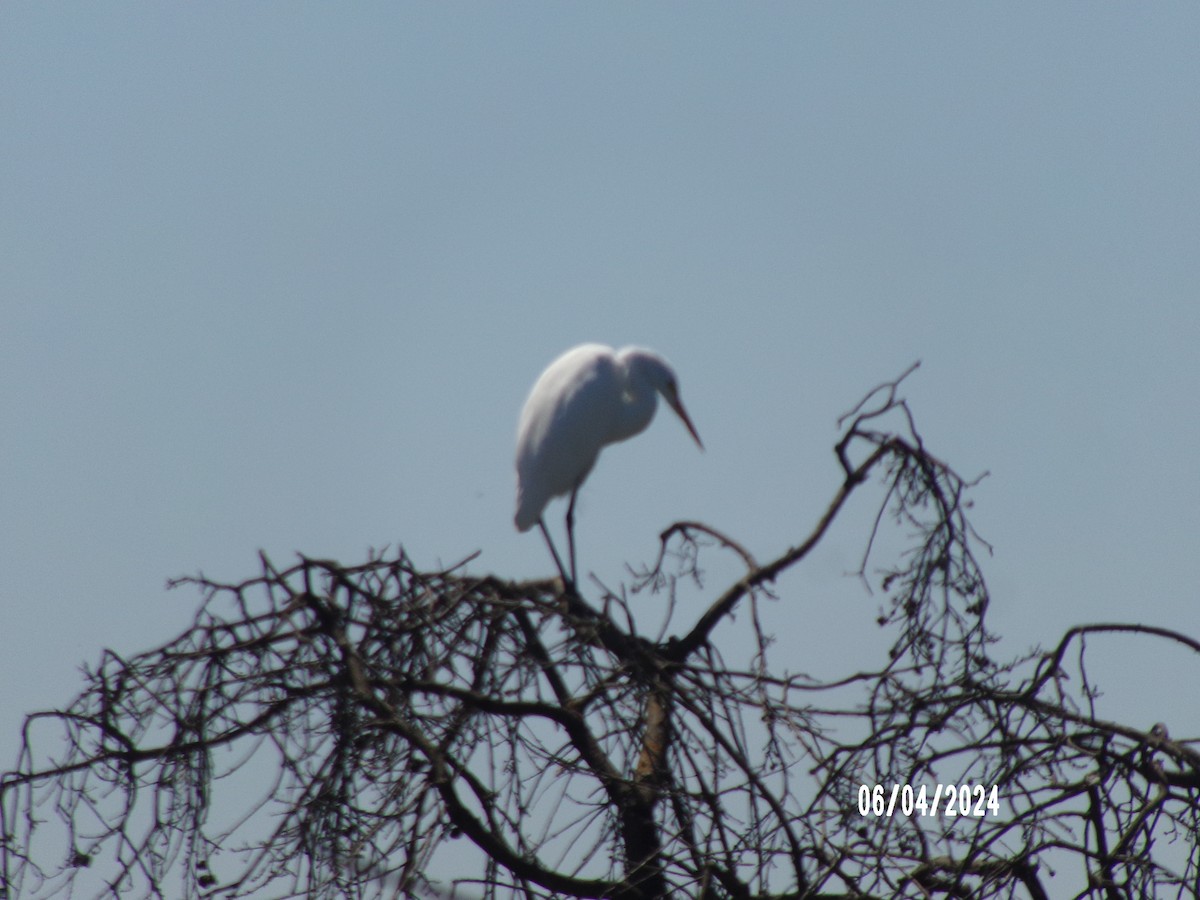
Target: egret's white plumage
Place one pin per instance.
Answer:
(589, 397)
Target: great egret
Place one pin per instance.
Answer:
(589, 397)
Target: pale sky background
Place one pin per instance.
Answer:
(279, 276)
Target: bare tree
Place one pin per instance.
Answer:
(376, 730)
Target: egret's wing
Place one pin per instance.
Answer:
(564, 425)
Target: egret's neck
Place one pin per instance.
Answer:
(636, 412)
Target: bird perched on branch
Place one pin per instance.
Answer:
(589, 397)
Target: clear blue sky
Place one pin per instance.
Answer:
(279, 276)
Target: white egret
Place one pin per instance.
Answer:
(589, 397)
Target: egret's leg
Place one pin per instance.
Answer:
(553, 552)
(571, 531)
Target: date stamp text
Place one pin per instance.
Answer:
(949, 800)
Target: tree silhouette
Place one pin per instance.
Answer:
(376, 730)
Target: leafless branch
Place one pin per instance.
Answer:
(325, 731)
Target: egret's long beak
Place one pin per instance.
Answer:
(677, 405)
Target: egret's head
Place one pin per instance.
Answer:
(645, 369)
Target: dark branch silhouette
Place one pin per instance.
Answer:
(376, 730)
